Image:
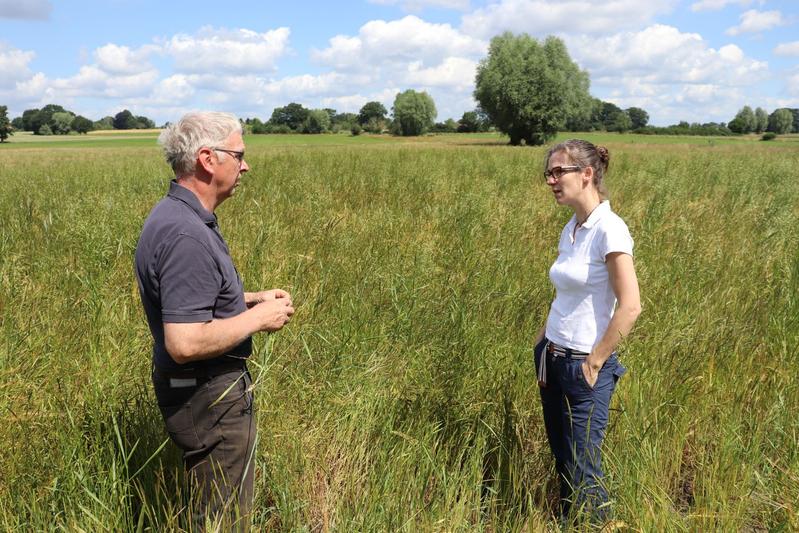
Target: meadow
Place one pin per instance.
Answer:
(403, 396)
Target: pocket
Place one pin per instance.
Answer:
(618, 370)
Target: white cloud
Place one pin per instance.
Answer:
(455, 72)
(540, 17)
(232, 51)
(787, 49)
(14, 65)
(122, 60)
(25, 9)
(91, 81)
(715, 5)
(662, 54)
(416, 6)
(755, 21)
(380, 43)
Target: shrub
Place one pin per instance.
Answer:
(768, 136)
(356, 129)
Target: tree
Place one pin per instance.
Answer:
(27, 119)
(638, 117)
(795, 112)
(18, 124)
(317, 121)
(528, 89)
(761, 120)
(414, 113)
(144, 123)
(292, 115)
(372, 110)
(81, 124)
(780, 121)
(469, 122)
(44, 116)
(105, 123)
(6, 128)
(60, 122)
(124, 120)
(44, 130)
(744, 121)
(621, 122)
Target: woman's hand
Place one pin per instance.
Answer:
(590, 373)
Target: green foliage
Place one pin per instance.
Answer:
(105, 123)
(27, 119)
(6, 128)
(638, 117)
(144, 123)
(356, 129)
(414, 113)
(317, 121)
(18, 124)
(761, 120)
(81, 124)
(124, 120)
(780, 121)
(44, 130)
(61, 123)
(744, 121)
(448, 126)
(469, 122)
(529, 89)
(44, 117)
(372, 110)
(621, 123)
(769, 136)
(292, 116)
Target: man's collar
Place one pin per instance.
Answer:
(183, 194)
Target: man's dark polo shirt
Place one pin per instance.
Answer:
(185, 272)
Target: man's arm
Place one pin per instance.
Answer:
(196, 341)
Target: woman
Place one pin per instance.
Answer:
(575, 351)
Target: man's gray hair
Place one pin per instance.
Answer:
(183, 139)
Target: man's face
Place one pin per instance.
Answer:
(230, 165)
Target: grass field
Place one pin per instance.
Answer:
(402, 397)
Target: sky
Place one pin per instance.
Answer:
(692, 60)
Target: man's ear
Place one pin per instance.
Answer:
(205, 160)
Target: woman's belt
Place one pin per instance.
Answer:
(555, 350)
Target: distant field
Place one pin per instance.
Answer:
(402, 397)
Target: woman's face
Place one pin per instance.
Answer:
(566, 179)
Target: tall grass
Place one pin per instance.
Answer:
(403, 397)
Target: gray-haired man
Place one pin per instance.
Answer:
(200, 317)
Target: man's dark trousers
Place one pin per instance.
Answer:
(212, 421)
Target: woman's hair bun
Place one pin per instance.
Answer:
(603, 154)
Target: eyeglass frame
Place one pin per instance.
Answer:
(235, 153)
(557, 172)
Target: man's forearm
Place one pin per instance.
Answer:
(199, 341)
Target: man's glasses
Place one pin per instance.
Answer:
(558, 172)
(238, 155)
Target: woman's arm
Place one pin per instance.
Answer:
(624, 282)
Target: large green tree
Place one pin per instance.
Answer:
(81, 124)
(124, 120)
(780, 121)
(317, 121)
(44, 118)
(744, 121)
(61, 122)
(6, 128)
(530, 89)
(638, 117)
(414, 113)
(292, 115)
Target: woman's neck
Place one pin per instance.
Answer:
(585, 206)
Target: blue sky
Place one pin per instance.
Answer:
(693, 60)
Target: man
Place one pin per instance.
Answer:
(200, 317)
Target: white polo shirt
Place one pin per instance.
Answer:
(584, 301)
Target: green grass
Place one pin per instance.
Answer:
(402, 397)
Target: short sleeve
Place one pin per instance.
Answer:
(189, 281)
(615, 237)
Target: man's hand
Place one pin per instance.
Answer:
(253, 298)
(273, 312)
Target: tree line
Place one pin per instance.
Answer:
(54, 119)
